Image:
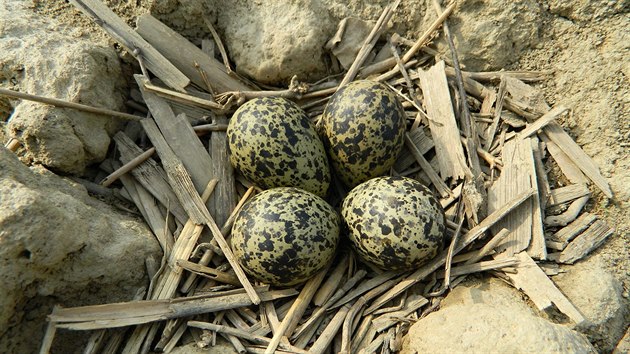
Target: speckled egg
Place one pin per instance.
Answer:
(395, 223)
(274, 144)
(283, 236)
(364, 125)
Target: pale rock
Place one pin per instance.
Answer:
(271, 41)
(598, 296)
(490, 317)
(43, 57)
(60, 246)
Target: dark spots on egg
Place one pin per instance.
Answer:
(273, 143)
(403, 227)
(283, 236)
(363, 126)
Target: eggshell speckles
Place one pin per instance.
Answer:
(274, 144)
(364, 125)
(395, 223)
(283, 236)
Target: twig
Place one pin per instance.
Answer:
(346, 330)
(542, 121)
(374, 345)
(361, 332)
(497, 114)
(207, 256)
(421, 42)
(569, 215)
(331, 330)
(145, 311)
(488, 157)
(403, 71)
(241, 334)
(427, 168)
(13, 144)
(66, 104)
(127, 167)
(366, 286)
(209, 273)
(227, 251)
(204, 78)
(394, 71)
(185, 98)
(369, 42)
(488, 247)
(332, 283)
(219, 43)
(500, 263)
(330, 303)
(49, 336)
(525, 76)
(212, 127)
(451, 248)
(290, 321)
(466, 122)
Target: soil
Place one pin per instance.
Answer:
(586, 45)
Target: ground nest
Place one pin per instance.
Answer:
(512, 182)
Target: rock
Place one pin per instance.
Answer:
(272, 41)
(43, 57)
(489, 35)
(60, 246)
(598, 296)
(489, 317)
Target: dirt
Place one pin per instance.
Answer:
(591, 72)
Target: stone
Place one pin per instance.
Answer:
(598, 296)
(43, 57)
(489, 35)
(272, 48)
(489, 317)
(60, 246)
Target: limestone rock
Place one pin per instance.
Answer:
(489, 317)
(43, 57)
(598, 296)
(60, 246)
(490, 35)
(271, 41)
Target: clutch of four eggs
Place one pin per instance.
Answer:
(288, 233)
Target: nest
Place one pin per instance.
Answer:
(484, 142)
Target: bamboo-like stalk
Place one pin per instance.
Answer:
(67, 104)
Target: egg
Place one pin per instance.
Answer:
(283, 236)
(273, 143)
(364, 126)
(395, 223)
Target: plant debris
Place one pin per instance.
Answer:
(467, 144)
